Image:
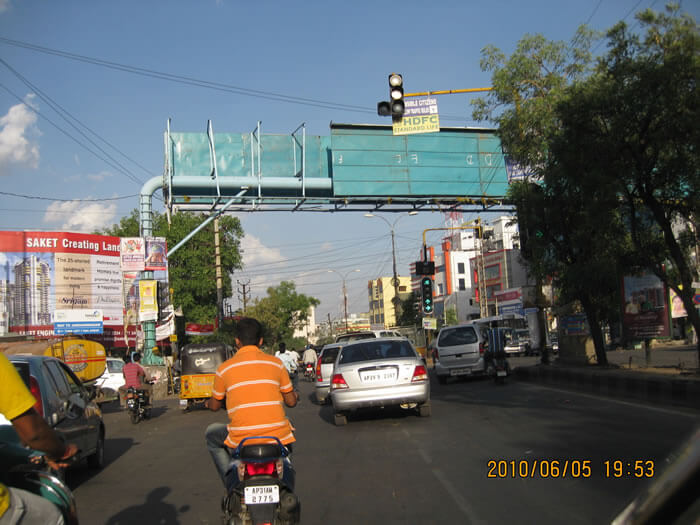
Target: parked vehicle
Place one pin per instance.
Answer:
(324, 370)
(198, 364)
(367, 334)
(26, 469)
(110, 381)
(58, 391)
(137, 405)
(379, 373)
(459, 351)
(261, 488)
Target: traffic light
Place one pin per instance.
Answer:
(395, 105)
(426, 288)
(396, 96)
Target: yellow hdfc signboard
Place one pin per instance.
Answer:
(421, 116)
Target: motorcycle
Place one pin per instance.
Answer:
(497, 366)
(136, 405)
(260, 485)
(27, 469)
(309, 372)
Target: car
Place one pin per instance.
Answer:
(112, 378)
(379, 373)
(459, 351)
(366, 334)
(324, 370)
(65, 404)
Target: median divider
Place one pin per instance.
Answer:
(673, 389)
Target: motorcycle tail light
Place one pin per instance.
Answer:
(419, 374)
(267, 468)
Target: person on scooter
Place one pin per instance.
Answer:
(254, 385)
(309, 358)
(290, 362)
(135, 376)
(17, 405)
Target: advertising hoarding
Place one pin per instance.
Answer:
(645, 314)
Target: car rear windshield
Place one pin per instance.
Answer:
(328, 355)
(23, 369)
(460, 335)
(372, 350)
(355, 337)
(114, 367)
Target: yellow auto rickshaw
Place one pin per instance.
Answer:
(198, 363)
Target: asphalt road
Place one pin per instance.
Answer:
(393, 467)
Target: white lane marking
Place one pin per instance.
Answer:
(457, 497)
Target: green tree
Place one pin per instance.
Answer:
(191, 269)
(451, 316)
(410, 315)
(282, 312)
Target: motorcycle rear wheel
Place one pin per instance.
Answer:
(134, 417)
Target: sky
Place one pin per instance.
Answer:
(81, 131)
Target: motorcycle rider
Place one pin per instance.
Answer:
(17, 405)
(309, 357)
(254, 385)
(290, 360)
(135, 376)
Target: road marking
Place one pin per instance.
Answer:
(456, 496)
(613, 400)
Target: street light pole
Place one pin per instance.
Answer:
(395, 277)
(345, 292)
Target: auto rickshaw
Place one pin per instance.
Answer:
(198, 364)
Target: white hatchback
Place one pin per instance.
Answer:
(111, 379)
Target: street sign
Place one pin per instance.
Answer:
(81, 321)
(420, 116)
(429, 323)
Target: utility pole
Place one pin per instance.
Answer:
(219, 281)
(244, 293)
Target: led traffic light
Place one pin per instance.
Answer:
(426, 288)
(395, 105)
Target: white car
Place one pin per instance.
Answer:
(111, 379)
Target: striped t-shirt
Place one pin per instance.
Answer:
(253, 382)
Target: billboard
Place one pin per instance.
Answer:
(645, 314)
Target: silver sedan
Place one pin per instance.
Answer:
(379, 373)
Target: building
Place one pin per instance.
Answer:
(32, 287)
(307, 329)
(381, 294)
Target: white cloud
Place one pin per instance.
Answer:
(80, 216)
(255, 252)
(76, 159)
(4, 5)
(99, 177)
(18, 134)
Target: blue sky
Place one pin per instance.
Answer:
(331, 51)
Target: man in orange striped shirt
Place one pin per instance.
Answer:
(254, 385)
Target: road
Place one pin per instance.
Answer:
(391, 467)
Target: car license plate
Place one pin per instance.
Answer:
(460, 371)
(501, 373)
(183, 402)
(262, 494)
(378, 376)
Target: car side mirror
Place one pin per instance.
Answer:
(76, 406)
(92, 392)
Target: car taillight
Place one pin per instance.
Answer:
(267, 468)
(318, 370)
(419, 374)
(482, 348)
(338, 382)
(36, 392)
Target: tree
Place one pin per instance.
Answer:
(282, 312)
(191, 269)
(640, 113)
(410, 314)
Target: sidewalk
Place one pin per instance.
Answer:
(672, 379)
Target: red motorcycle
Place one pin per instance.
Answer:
(309, 372)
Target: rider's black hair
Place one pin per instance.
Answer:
(249, 331)
(136, 357)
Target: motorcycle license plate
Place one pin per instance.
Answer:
(183, 402)
(501, 373)
(262, 494)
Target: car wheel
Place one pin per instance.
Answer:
(442, 380)
(340, 420)
(425, 410)
(97, 459)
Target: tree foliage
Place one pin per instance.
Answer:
(192, 271)
(282, 312)
(612, 151)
